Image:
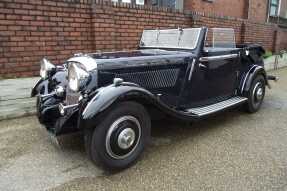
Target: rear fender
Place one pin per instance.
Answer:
(253, 72)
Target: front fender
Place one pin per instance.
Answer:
(106, 96)
(45, 86)
(40, 86)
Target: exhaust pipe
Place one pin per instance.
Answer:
(273, 78)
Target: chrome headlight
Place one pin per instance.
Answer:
(77, 77)
(45, 67)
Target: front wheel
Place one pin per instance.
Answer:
(121, 137)
(256, 94)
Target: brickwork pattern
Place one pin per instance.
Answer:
(281, 40)
(237, 8)
(258, 10)
(263, 34)
(32, 29)
(120, 27)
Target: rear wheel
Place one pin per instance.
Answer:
(256, 94)
(121, 137)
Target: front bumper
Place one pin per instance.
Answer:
(49, 115)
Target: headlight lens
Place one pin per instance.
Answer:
(77, 77)
(45, 67)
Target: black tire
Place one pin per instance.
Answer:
(120, 138)
(255, 100)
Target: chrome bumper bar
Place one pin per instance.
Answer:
(63, 108)
(47, 95)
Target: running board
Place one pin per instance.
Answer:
(210, 109)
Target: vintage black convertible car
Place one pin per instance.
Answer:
(112, 96)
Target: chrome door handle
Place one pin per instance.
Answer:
(202, 65)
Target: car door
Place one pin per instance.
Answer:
(213, 79)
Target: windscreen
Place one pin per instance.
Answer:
(171, 38)
(223, 38)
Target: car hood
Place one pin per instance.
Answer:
(121, 59)
(88, 62)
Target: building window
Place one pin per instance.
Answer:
(174, 4)
(274, 6)
(126, 1)
(164, 3)
(138, 2)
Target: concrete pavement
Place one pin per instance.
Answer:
(15, 100)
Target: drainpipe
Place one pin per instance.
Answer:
(268, 10)
(247, 8)
(278, 14)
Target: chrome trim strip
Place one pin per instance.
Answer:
(133, 50)
(214, 58)
(88, 105)
(36, 83)
(191, 70)
(92, 100)
(247, 74)
(47, 95)
(63, 108)
(69, 106)
(202, 66)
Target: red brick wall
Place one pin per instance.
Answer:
(255, 10)
(245, 31)
(117, 28)
(281, 40)
(263, 34)
(219, 22)
(234, 8)
(32, 29)
(258, 10)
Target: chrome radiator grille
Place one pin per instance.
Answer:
(152, 79)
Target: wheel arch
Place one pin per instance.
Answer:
(108, 97)
(251, 75)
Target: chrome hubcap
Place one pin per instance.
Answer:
(123, 137)
(259, 93)
(126, 138)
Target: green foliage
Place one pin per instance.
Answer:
(267, 54)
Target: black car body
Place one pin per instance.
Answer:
(185, 80)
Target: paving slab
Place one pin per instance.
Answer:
(15, 100)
